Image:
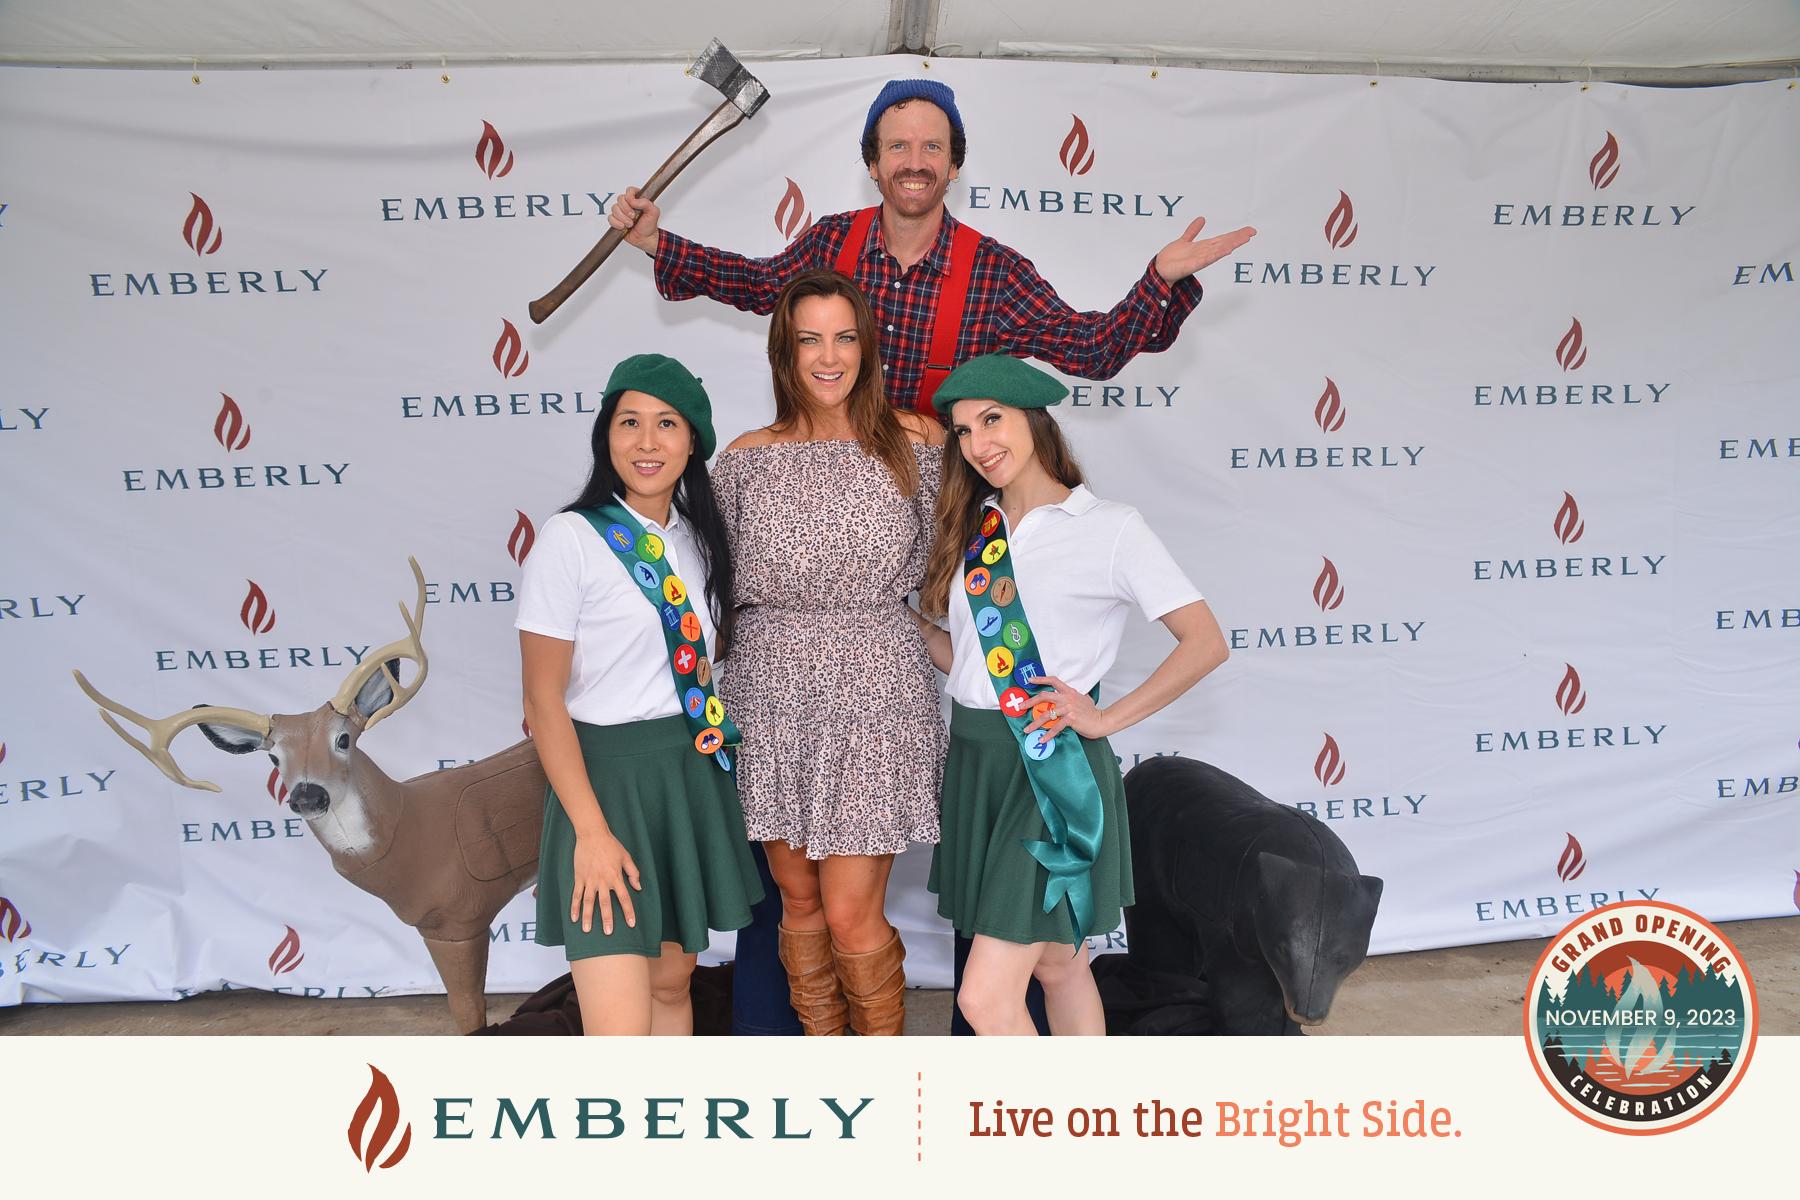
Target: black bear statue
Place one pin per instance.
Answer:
(1260, 900)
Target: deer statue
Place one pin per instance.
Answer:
(445, 851)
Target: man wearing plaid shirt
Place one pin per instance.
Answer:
(913, 145)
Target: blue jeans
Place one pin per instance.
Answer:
(759, 986)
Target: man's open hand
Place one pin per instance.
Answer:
(1185, 255)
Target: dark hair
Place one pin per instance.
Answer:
(960, 500)
(877, 426)
(871, 143)
(695, 502)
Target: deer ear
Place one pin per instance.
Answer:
(232, 739)
(377, 693)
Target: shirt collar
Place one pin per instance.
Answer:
(1078, 501)
(646, 522)
(937, 258)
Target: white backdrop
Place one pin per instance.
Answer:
(1484, 451)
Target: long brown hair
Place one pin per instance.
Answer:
(960, 500)
(877, 427)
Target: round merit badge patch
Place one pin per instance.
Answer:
(1640, 1018)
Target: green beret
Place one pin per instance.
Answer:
(661, 376)
(1012, 381)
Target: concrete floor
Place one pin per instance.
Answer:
(1464, 990)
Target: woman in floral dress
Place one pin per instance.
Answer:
(830, 515)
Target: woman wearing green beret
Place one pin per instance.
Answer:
(625, 599)
(1036, 575)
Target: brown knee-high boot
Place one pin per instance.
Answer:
(875, 986)
(813, 985)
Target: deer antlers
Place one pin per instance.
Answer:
(162, 730)
(407, 647)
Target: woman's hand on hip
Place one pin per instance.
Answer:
(1062, 706)
(602, 869)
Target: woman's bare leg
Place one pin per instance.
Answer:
(992, 996)
(797, 877)
(671, 994)
(614, 992)
(1071, 998)
(853, 891)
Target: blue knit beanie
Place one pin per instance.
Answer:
(913, 89)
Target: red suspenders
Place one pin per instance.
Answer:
(946, 321)
(851, 254)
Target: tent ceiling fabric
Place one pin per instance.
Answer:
(1553, 33)
(363, 31)
(1612, 33)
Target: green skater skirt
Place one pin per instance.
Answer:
(677, 814)
(985, 880)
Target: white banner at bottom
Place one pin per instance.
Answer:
(876, 1118)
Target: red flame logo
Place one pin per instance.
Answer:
(230, 428)
(1603, 168)
(1572, 863)
(491, 154)
(13, 925)
(1570, 696)
(1076, 154)
(286, 955)
(1340, 226)
(1570, 353)
(256, 614)
(277, 789)
(380, 1096)
(1329, 411)
(523, 536)
(2, 751)
(791, 215)
(510, 356)
(200, 233)
(1328, 593)
(1569, 525)
(1328, 768)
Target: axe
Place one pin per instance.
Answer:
(744, 94)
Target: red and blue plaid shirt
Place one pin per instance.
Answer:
(1010, 308)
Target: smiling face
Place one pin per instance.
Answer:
(996, 440)
(827, 349)
(912, 163)
(650, 444)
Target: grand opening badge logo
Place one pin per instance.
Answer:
(1640, 1017)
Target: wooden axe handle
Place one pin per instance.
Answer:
(723, 118)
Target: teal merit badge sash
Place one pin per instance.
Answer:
(641, 554)
(1067, 794)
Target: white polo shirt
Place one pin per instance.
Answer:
(1079, 566)
(576, 590)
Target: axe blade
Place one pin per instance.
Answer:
(720, 68)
